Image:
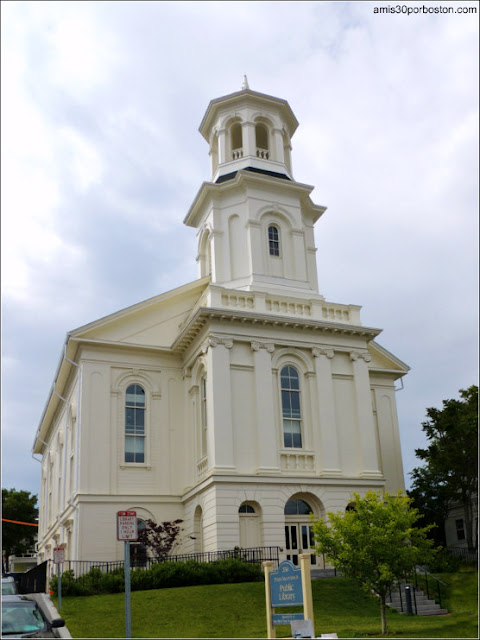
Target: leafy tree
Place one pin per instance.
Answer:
(376, 543)
(160, 538)
(450, 473)
(22, 507)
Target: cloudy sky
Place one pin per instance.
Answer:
(101, 159)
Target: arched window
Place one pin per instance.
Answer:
(261, 141)
(273, 240)
(297, 507)
(203, 416)
(236, 141)
(292, 423)
(246, 508)
(135, 424)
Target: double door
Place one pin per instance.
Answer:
(299, 539)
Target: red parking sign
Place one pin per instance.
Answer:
(127, 525)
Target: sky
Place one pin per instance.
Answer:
(101, 159)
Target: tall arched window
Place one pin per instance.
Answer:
(135, 424)
(203, 416)
(292, 422)
(273, 240)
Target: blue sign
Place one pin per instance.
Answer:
(286, 618)
(286, 585)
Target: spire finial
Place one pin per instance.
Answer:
(245, 83)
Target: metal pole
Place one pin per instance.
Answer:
(59, 583)
(408, 598)
(128, 611)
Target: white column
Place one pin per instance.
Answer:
(277, 146)
(329, 449)
(368, 441)
(249, 140)
(267, 445)
(222, 151)
(219, 405)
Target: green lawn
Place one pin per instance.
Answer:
(238, 611)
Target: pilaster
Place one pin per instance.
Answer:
(266, 435)
(219, 403)
(370, 467)
(329, 448)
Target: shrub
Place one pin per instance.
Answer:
(159, 576)
(445, 562)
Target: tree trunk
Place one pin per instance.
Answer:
(468, 515)
(383, 614)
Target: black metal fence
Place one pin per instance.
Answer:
(465, 554)
(255, 555)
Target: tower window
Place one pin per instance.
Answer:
(261, 140)
(273, 241)
(236, 140)
(135, 424)
(292, 424)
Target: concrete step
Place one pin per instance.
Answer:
(424, 605)
(323, 573)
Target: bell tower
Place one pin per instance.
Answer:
(254, 221)
(248, 129)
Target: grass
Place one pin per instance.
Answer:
(238, 611)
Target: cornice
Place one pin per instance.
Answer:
(208, 189)
(205, 314)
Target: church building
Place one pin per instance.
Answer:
(240, 402)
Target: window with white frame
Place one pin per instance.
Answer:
(135, 424)
(273, 240)
(291, 413)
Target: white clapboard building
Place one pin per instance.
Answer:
(240, 402)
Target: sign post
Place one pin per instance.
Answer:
(126, 531)
(286, 587)
(58, 559)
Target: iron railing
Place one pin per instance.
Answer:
(255, 555)
(422, 580)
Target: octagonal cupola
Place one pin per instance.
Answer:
(247, 129)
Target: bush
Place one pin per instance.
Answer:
(445, 562)
(159, 576)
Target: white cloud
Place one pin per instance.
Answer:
(101, 159)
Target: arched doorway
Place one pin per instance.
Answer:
(298, 530)
(249, 524)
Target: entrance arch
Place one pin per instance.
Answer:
(298, 527)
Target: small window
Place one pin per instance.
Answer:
(292, 424)
(273, 241)
(135, 424)
(297, 507)
(460, 529)
(246, 508)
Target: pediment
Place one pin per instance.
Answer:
(153, 322)
(383, 360)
